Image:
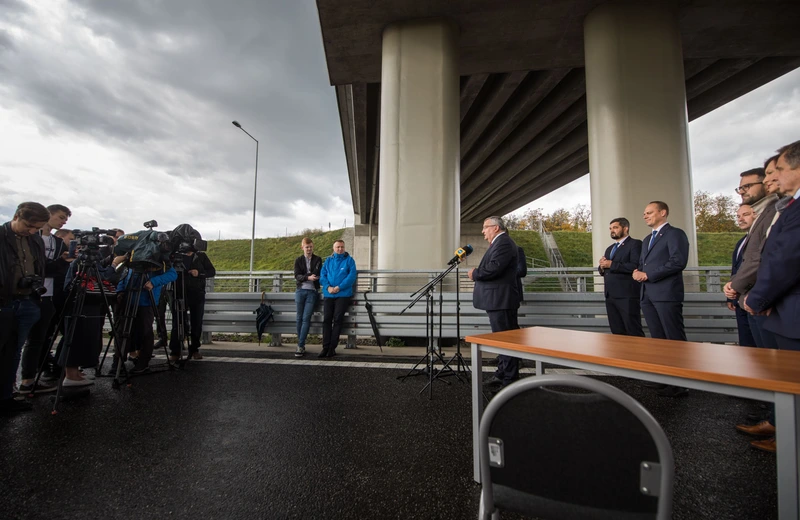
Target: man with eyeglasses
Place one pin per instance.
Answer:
(754, 193)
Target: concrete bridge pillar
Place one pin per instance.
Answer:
(638, 127)
(419, 202)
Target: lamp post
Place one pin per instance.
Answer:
(255, 186)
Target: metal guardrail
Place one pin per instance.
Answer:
(706, 317)
(549, 279)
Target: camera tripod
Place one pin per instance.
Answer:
(87, 268)
(176, 300)
(433, 354)
(121, 331)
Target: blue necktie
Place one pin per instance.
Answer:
(652, 239)
(613, 250)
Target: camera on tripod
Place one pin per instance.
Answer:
(93, 239)
(34, 282)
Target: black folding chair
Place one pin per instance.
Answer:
(570, 447)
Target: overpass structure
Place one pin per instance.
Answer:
(453, 111)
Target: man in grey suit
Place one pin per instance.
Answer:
(762, 201)
(496, 291)
(665, 254)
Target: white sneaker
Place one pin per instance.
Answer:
(88, 373)
(72, 383)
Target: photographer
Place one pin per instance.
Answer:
(22, 270)
(57, 262)
(142, 328)
(193, 267)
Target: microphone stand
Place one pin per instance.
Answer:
(431, 354)
(461, 364)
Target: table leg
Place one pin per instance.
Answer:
(539, 368)
(477, 409)
(787, 417)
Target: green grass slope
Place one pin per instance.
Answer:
(575, 247)
(271, 254)
(531, 243)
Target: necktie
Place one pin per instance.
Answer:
(790, 203)
(613, 250)
(652, 239)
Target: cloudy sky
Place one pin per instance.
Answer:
(122, 111)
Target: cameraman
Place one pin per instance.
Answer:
(193, 270)
(142, 328)
(22, 269)
(57, 262)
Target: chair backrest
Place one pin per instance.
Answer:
(554, 452)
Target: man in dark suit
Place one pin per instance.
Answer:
(496, 290)
(776, 293)
(665, 254)
(522, 272)
(620, 289)
(744, 219)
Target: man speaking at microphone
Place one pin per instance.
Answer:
(496, 291)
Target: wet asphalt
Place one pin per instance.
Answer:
(254, 440)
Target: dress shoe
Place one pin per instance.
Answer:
(324, 353)
(762, 429)
(493, 381)
(765, 445)
(651, 384)
(332, 352)
(673, 391)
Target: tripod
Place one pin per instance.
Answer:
(138, 279)
(432, 354)
(87, 268)
(461, 364)
(176, 299)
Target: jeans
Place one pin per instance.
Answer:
(16, 320)
(306, 300)
(34, 353)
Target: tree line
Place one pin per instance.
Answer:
(714, 213)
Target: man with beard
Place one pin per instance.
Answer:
(620, 289)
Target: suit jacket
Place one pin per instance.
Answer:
(496, 277)
(522, 270)
(778, 278)
(745, 276)
(617, 279)
(664, 263)
(736, 260)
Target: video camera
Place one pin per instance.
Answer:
(95, 238)
(157, 247)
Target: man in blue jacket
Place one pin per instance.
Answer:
(338, 279)
(142, 329)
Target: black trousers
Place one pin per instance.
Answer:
(664, 319)
(507, 366)
(746, 338)
(332, 318)
(142, 335)
(192, 324)
(624, 316)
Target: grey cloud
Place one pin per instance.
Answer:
(179, 74)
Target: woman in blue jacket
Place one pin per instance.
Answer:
(338, 279)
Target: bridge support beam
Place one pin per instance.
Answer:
(419, 202)
(638, 128)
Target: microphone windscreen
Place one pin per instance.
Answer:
(468, 249)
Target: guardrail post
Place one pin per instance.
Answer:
(205, 337)
(713, 283)
(277, 285)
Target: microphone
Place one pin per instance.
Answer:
(461, 253)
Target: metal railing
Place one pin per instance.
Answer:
(708, 279)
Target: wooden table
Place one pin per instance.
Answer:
(761, 374)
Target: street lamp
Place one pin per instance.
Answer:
(255, 185)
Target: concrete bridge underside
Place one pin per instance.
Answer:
(523, 110)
